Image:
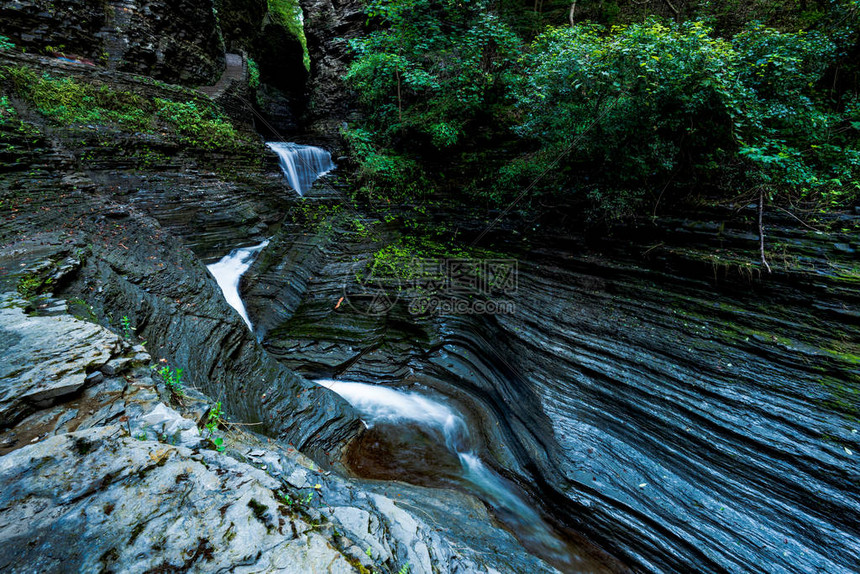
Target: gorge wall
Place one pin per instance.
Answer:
(177, 42)
(104, 242)
(680, 408)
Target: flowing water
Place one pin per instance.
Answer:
(302, 164)
(229, 270)
(385, 407)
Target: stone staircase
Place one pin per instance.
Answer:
(236, 71)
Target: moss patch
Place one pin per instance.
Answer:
(68, 101)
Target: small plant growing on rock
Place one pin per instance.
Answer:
(5, 43)
(213, 421)
(173, 381)
(218, 442)
(127, 329)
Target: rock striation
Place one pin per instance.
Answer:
(674, 405)
(106, 476)
(176, 42)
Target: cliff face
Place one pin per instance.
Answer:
(272, 42)
(176, 41)
(669, 402)
(329, 24)
(100, 463)
(658, 394)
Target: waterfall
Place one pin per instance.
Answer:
(302, 164)
(378, 404)
(229, 270)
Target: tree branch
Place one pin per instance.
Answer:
(672, 8)
(761, 228)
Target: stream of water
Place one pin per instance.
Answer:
(302, 164)
(229, 270)
(381, 405)
(403, 416)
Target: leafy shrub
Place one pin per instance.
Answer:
(400, 177)
(253, 74)
(202, 126)
(650, 103)
(432, 67)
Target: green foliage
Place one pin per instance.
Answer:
(6, 43)
(400, 176)
(253, 74)
(611, 117)
(218, 443)
(288, 15)
(650, 103)
(316, 215)
(303, 500)
(431, 75)
(432, 67)
(127, 329)
(34, 284)
(213, 419)
(7, 111)
(202, 126)
(67, 101)
(172, 379)
(15, 133)
(398, 258)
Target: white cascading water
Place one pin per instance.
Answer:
(229, 270)
(378, 404)
(302, 164)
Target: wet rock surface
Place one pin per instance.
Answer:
(119, 241)
(329, 24)
(113, 478)
(50, 357)
(675, 405)
(125, 219)
(660, 396)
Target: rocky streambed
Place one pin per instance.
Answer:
(100, 474)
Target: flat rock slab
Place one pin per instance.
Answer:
(45, 357)
(96, 500)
